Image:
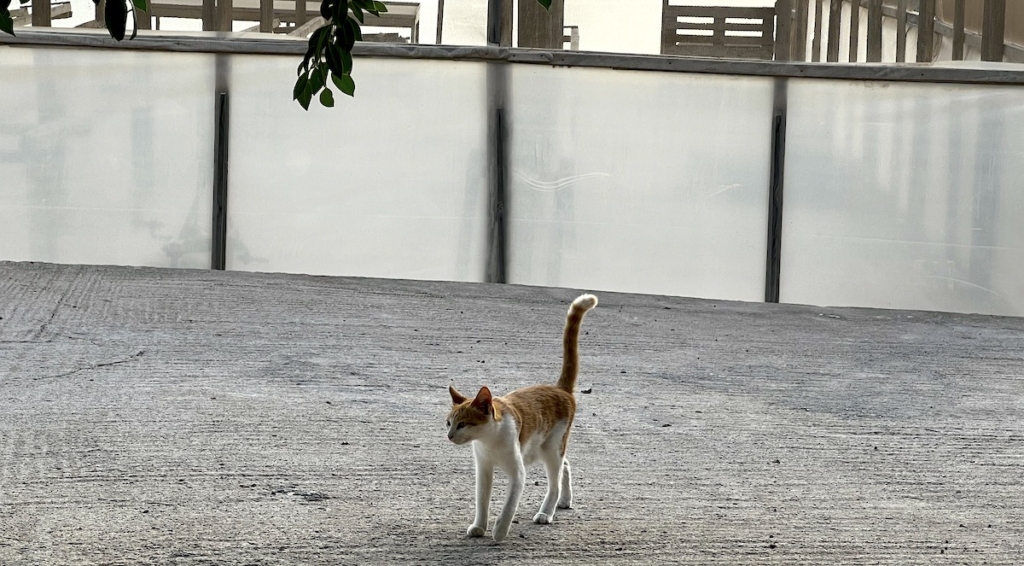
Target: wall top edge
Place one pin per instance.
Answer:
(265, 44)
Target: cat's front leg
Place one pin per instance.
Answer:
(484, 485)
(517, 477)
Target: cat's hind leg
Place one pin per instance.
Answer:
(553, 466)
(565, 498)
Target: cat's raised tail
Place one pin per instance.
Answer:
(570, 341)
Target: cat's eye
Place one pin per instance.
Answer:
(461, 425)
(448, 424)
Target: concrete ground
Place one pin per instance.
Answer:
(186, 417)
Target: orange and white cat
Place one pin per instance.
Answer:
(527, 426)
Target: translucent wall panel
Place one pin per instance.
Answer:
(391, 183)
(642, 182)
(106, 157)
(905, 196)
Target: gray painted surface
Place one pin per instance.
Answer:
(169, 416)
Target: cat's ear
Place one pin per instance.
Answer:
(483, 400)
(457, 398)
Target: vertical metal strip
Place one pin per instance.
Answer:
(220, 184)
(497, 152)
(440, 19)
(773, 266)
(497, 174)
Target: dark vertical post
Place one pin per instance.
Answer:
(993, 30)
(925, 31)
(901, 31)
(497, 149)
(874, 54)
(854, 30)
(784, 30)
(440, 19)
(225, 14)
(773, 266)
(499, 23)
(40, 13)
(300, 12)
(267, 16)
(819, 17)
(958, 30)
(220, 183)
(143, 19)
(799, 51)
(835, 21)
(539, 27)
(209, 15)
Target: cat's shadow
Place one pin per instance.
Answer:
(448, 546)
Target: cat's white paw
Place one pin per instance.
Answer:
(475, 531)
(499, 533)
(543, 519)
(565, 503)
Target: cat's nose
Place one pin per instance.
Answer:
(451, 434)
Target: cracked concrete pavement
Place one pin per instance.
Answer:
(155, 416)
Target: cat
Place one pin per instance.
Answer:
(526, 426)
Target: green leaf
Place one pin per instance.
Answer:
(304, 66)
(6, 22)
(316, 39)
(115, 16)
(345, 84)
(305, 97)
(141, 5)
(327, 98)
(346, 34)
(382, 9)
(334, 59)
(300, 85)
(346, 62)
(318, 78)
(545, 3)
(340, 11)
(357, 13)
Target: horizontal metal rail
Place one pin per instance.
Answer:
(236, 43)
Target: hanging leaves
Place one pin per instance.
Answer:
(329, 52)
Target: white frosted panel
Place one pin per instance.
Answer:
(904, 196)
(640, 182)
(106, 157)
(391, 183)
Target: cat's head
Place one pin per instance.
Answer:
(469, 418)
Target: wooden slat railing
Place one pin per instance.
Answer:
(906, 14)
(746, 33)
